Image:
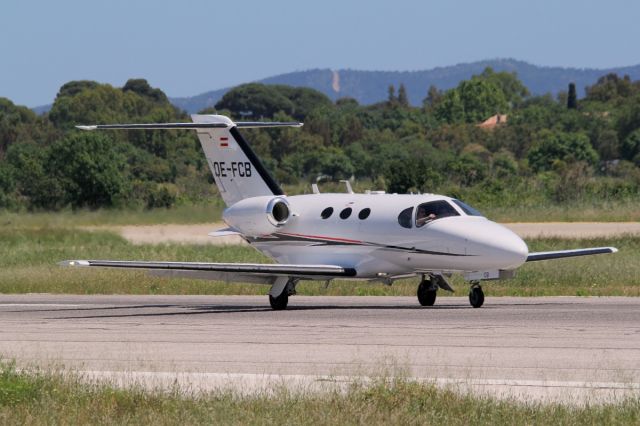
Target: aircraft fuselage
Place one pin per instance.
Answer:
(364, 232)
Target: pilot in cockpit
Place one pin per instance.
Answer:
(422, 217)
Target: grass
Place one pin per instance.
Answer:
(186, 214)
(29, 256)
(579, 211)
(37, 397)
(582, 211)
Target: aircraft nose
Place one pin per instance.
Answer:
(500, 247)
(515, 250)
(489, 245)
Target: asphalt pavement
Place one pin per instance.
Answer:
(566, 349)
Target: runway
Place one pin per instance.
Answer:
(552, 348)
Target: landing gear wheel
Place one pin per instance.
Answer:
(476, 296)
(427, 293)
(279, 303)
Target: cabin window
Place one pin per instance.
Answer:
(434, 210)
(344, 214)
(326, 213)
(364, 213)
(467, 208)
(404, 218)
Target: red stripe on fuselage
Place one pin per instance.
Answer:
(319, 237)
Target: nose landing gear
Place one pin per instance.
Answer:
(476, 295)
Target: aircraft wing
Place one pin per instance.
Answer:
(263, 273)
(547, 255)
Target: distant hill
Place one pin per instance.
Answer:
(369, 87)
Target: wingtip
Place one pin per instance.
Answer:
(613, 249)
(94, 127)
(67, 263)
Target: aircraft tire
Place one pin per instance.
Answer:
(476, 297)
(426, 295)
(279, 303)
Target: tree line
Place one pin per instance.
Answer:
(543, 148)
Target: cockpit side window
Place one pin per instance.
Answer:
(467, 208)
(434, 210)
(404, 218)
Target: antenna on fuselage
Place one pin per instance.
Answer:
(348, 184)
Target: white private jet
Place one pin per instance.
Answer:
(372, 236)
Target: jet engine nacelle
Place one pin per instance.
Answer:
(258, 215)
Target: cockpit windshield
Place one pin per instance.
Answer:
(434, 210)
(467, 208)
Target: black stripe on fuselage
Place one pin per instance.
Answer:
(280, 238)
(255, 161)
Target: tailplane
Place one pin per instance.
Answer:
(236, 169)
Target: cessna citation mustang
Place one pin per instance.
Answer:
(373, 236)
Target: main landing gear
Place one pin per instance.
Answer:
(428, 288)
(280, 291)
(427, 292)
(476, 295)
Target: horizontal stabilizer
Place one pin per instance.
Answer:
(265, 269)
(180, 126)
(560, 254)
(226, 232)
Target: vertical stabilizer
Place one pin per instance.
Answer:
(237, 171)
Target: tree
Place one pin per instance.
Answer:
(472, 101)
(336, 164)
(347, 102)
(630, 149)
(89, 103)
(7, 185)
(555, 146)
(451, 108)
(403, 99)
(572, 97)
(607, 144)
(91, 170)
(142, 87)
(72, 88)
(264, 101)
(433, 97)
(391, 98)
(512, 88)
(16, 122)
(611, 87)
(34, 184)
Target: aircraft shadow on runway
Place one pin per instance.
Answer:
(213, 309)
(188, 310)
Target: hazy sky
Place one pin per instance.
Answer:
(188, 47)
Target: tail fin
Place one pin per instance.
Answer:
(237, 170)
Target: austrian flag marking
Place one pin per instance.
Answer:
(224, 142)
